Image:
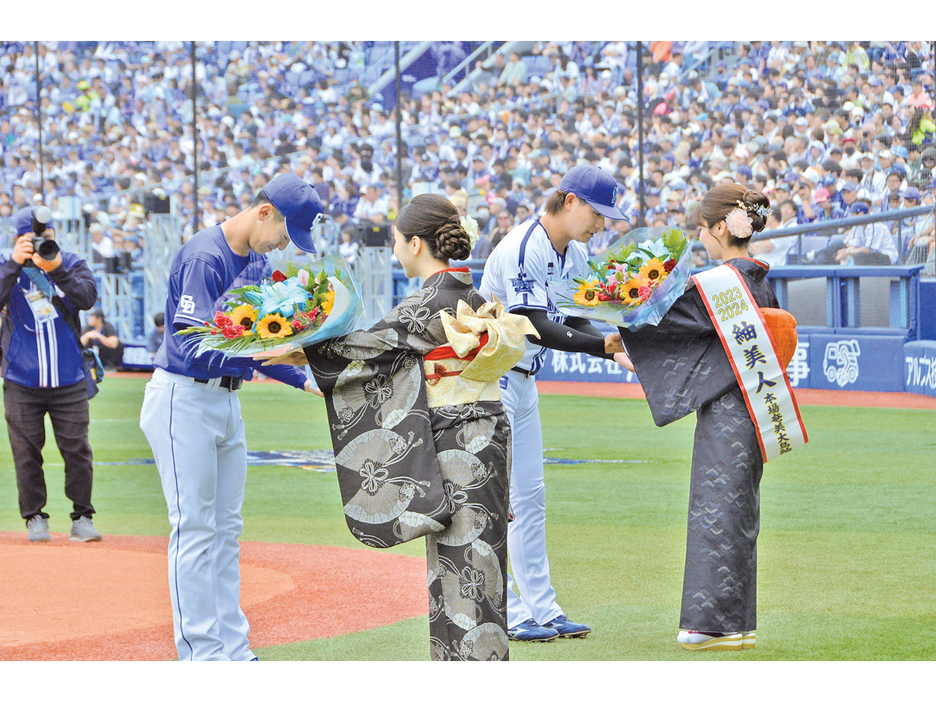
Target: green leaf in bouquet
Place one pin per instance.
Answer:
(675, 241)
(646, 252)
(625, 252)
(190, 330)
(246, 288)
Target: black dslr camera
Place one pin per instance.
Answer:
(46, 248)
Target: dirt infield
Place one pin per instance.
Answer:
(65, 600)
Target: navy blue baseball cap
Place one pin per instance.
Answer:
(850, 187)
(596, 187)
(912, 193)
(300, 204)
(24, 219)
(859, 208)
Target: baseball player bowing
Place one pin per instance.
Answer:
(517, 272)
(192, 420)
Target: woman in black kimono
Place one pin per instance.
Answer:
(421, 440)
(684, 368)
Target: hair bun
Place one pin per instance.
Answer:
(452, 240)
(758, 209)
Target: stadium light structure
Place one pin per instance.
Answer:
(39, 119)
(640, 137)
(399, 132)
(197, 214)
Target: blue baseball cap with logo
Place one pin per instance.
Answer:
(300, 204)
(859, 208)
(596, 187)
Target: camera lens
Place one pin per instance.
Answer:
(46, 248)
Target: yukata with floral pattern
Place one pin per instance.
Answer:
(417, 456)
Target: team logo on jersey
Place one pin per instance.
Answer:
(521, 284)
(187, 304)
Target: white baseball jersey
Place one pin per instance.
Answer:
(518, 272)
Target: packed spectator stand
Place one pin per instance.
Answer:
(827, 130)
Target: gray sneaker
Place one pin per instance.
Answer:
(38, 527)
(83, 530)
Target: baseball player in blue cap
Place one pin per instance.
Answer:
(192, 420)
(518, 272)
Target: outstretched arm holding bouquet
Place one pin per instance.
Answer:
(519, 271)
(717, 351)
(191, 417)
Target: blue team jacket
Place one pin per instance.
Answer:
(47, 354)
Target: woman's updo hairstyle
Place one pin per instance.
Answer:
(435, 220)
(720, 203)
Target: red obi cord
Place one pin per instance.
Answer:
(442, 352)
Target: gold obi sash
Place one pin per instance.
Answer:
(483, 345)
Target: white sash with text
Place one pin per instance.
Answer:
(753, 357)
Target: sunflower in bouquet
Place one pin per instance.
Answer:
(632, 274)
(291, 307)
(628, 274)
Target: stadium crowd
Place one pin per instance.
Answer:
(824, 129)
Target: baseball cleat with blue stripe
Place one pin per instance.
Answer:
(529, 630)
(568, 629)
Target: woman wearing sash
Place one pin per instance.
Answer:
(421, 440)
(683, 367)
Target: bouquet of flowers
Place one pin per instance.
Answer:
(303, 306)
(632, 283)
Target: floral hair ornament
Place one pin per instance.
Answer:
(764, 212)
(470, 226)
(739, 223)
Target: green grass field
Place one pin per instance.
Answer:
(847, 548)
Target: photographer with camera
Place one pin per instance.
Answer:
(102, 336)
(42, 290)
